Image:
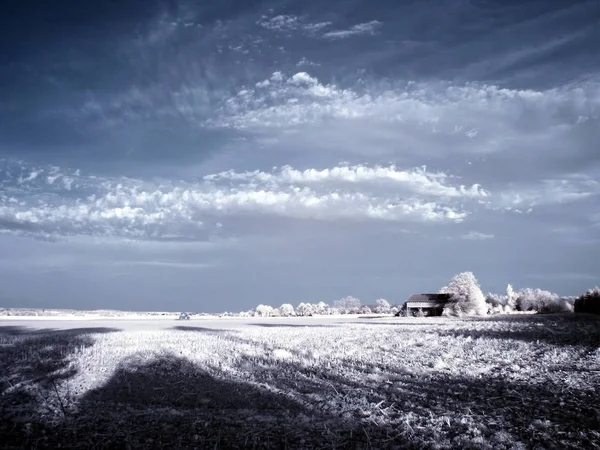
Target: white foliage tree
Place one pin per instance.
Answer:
(348, 305)
(286, 310)
(264, 310)
(537, 300)
(382, 306)
(511, 297)
(305, 309)
(467, 297)
(364, 309)
(322, 308)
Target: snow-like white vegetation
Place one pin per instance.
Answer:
(498, 382)
(467, 298)
(64, 314)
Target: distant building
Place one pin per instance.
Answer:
(430, 304)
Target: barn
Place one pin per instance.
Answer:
(430, 304)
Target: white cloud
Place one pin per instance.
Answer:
(280, 23)
(64, 202)
(139, 209)
(490, 117)
(477, 236)
(287, 23)
(165, 264)
(290, 23)
(358, 29)
(417, 180)
(306, 62)
(302, 78)
(549, 192)
(315, 27)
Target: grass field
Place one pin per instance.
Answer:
(523, 381)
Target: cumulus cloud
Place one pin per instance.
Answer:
(417, 180)
(280, 23)
(139, 209)
(358, 29)
(51, 201)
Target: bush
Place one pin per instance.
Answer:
(538, 300)
(566, 304)
(588, 302)
(383, 306)
(401, 312)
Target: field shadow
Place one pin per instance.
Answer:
(175, 403)
(172, 402)
(200, 329)
(32, 362)
(556, 329)
(547, 335)
(267, 403)
(448, 411)
(292, 325)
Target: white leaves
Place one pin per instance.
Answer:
(286, 310)
(264, 310)
(467, 297)
(382, 306)
(348, 305)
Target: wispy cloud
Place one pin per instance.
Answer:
(166, 264)
(306, 62)
(549, 192)
(286, 23)
(477, 236)
(472, 110)
(290, 23)
(355, 30)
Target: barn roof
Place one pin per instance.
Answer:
(437, 298)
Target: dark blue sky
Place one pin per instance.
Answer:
(216, 155)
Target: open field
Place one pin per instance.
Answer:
(529, 381)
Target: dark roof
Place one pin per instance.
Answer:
(437, 298)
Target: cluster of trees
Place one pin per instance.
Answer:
(588, 302)
(346, 305)
(468, 299)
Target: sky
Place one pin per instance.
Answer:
(211, 156)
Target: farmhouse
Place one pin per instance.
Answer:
(430, 304)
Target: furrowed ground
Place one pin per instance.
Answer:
(500, 382)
